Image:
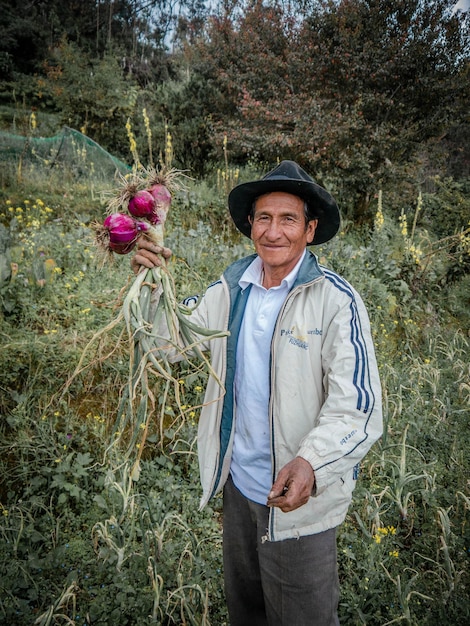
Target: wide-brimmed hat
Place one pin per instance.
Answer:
(290, 178)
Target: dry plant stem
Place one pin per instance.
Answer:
(80, 367)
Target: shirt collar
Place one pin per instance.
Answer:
(253, 275)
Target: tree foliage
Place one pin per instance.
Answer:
(355, 90)
(91, 95)
(134, 30)
(366, 94)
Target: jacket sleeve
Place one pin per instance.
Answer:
(350, 418)
(175, 338)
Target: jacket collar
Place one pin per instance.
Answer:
(309, 270)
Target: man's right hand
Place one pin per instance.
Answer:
(148, 255)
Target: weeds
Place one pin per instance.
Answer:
(82, 543)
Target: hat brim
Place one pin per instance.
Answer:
(321, 204)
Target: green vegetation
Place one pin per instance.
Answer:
(364, 94)
(82, 543)
(372, 98)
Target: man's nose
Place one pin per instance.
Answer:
(273, 230)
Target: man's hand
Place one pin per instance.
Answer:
(148, 255)
(293, 486)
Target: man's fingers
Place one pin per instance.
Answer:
(278, 489)
(139, 260)
(288, 500)
(148, 255)
(293, 485)
(166, 253)
(145, 244)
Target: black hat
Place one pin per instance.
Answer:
(290, 178)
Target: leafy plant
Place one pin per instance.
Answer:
(81, 542)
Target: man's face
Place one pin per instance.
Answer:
(279, 231)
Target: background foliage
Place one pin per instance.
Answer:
(366, 93)
(371, 98)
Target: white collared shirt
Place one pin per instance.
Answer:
(251, 466)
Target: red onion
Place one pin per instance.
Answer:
(142, 204)
(123, 231)
(162, 201)
(161, 195)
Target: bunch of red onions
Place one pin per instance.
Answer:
(147, 211)
(157, 327)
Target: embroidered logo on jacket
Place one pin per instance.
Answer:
(299, 342)
(347, 437)
(290, 331)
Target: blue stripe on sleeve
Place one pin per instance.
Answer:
(361, 374)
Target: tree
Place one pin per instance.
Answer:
(354, 90)
(136, 30)
(398, 66)
(92, 95)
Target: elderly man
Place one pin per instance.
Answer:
(301, 408)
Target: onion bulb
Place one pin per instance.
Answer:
(142, 204)
(162, 198)
(122, 232)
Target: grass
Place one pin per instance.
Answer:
(82, 543)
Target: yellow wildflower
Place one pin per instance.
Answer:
(379, 216)
(403, 224)
(132, 141)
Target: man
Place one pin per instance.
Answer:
(302, 403)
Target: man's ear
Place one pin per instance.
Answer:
(311, 228)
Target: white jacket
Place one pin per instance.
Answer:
(325, 397)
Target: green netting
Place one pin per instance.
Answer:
(71, 150)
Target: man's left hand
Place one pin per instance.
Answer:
(293, 486)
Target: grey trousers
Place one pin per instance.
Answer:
(283, 583)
